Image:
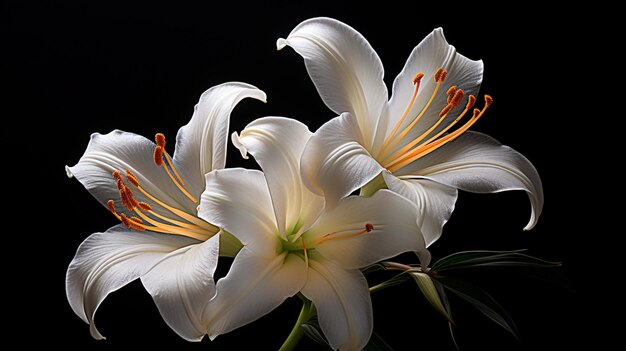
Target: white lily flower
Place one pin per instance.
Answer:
(418, 139)
(162, 239)
(292, 245)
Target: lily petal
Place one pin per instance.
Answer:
(123, 151)
(238, 201)
(345, 69)
(277, 144)
(253, 287)
(201, 144)
(335, 163)
(428, 56)
(343, 303)
(182, 284)
(108, 261)
(478, 163)
(388, 219)
(434, 201)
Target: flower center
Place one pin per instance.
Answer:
(141, 214)
(419, 147)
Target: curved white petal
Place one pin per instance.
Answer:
(277, 144)
(182, 284)
(107, 261)
(343, 303)
(253, 287)
(392, 222)
(434, 202)
(201, 144)
(478, 163)
(345, 69)
(335, 163)
(238, 201)
(123, 151)
(428, 56)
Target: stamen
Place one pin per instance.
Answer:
(471, 100)
(160, 139)
(488, 100)
(127, 198)
(445, 110)
(444, 74)
(111, 206)
(117, 175)
(331, 236)
(418, 77)
(451, 92)
(169, 162)
(431, 145)
(144, 206)
(416, 81)
(457, 98)
(392, 141)
(136, 219)
(132, 178)
(438, 74)
(131, 224)
(179, 213)
(158, 156)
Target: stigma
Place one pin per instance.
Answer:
(142, 215)
(394, 158)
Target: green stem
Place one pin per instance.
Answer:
(373, 186)
(308, 311)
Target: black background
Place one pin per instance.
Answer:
(74, 69)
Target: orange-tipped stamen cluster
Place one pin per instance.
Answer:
(162, 159)
(426, 142)
(341, 235)
(141, 215)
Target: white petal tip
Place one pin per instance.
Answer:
(68, 172)
(237, 142)
(281, 43)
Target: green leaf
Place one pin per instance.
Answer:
(479, 258)
(373, 268)
(426, 285)
(312, 329)
(482, 301)
(446, 304)
(398, 279)
(376, 343)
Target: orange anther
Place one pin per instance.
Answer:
(160, 139)
(418, 77)
(158, 155)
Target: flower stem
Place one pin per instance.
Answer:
(373, 186)
(308, 311)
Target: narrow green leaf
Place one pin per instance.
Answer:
(426, 285)
(481, 300)
(398, 279)
(312, 329)
(373, 268)
(472, 259)
(376, 343)
(446, 304)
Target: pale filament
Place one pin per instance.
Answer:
(335, 235)
(417, 147)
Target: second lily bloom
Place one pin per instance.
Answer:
(417, 143)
